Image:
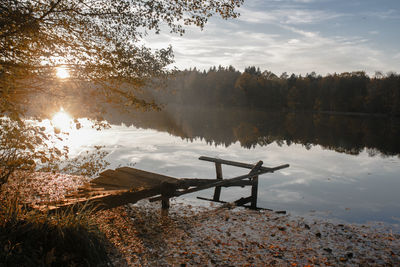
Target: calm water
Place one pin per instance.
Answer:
(345, 168)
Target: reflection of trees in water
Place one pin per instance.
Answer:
(347, 134)
(247, 134)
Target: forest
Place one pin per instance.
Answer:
(349, 92)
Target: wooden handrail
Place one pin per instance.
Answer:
(241, 165)
(256, 170)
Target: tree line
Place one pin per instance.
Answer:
(353, 92)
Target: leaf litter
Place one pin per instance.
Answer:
(139, 235)
(232, 236)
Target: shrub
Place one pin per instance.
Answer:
(62, 238)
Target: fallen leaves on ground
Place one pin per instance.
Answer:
(199, 236)
(139, 235)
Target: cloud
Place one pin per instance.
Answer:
(280, 40)
(293, 41)
(303, 52)
(307, 34)
(288, 1)
(384, 15)
(286, 16)
(304, 1)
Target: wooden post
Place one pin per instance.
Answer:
(164, 206)
(165, 203)
(217, 191)
(167, 191)
(254, 191)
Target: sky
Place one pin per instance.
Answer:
(295, 36)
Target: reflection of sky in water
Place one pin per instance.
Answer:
(354, 188)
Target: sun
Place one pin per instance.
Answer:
(62, 73)
(62, 120)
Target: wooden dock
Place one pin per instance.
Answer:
(125, 185)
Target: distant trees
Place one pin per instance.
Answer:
(227, 87)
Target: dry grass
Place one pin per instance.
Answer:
(32, 238)
(137, 235)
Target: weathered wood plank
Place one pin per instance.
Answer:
(187, 182)
(254, 192)
(124, 179)
(90, 194)
(109, 201)
(243, 200)
(94, 187)
(150, 176)
(218, 171)
(113, 178)
(225, 202)
(240, 164)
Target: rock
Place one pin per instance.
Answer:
(349, 255)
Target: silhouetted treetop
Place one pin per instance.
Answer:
(349, 92)
(97, 41)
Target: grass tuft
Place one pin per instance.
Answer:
(64, 238)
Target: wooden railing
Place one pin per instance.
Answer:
(201, 184)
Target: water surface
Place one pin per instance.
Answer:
(341, 167)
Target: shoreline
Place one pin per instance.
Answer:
(39, 187)
(227, 235)
(217, 235)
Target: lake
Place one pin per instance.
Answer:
(341, 167)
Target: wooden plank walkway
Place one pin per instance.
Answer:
(113, 188)
(125, 185)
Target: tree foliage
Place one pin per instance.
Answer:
(100, 44)
(349, 92)
(24, 146)
(99, 41)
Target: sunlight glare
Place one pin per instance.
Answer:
(62, 73)
(62, 120)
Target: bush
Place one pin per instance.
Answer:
(64, 238)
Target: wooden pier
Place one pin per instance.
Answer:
(125, 185)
